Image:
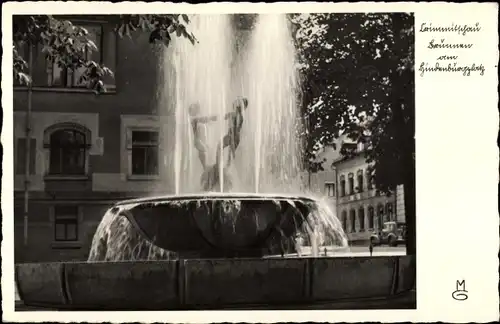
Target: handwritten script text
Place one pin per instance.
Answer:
(447, 49)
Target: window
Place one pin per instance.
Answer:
(361, 216)
(352, 218)
(388, 211)
(351, 183)
(360, 181)
(64, 77)
(344, 220)
(370, 179)
(380, 215)
(46, 72)
(66, 223)
(371, 216)
(342, 186)
(330, 189)
(68, 152)
(145, 147)
(21, 156)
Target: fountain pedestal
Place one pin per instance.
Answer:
(225, 283)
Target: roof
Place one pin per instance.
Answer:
(343, 158)
(353, 155)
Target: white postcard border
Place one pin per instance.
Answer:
(457, 169)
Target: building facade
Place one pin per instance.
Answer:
(358, 206)
(87, 151)
(324, 183)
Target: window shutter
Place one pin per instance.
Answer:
(128, 139)
(109, 46)
(39, 74)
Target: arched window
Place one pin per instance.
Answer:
(342, 186)
(360, 181)
(344, 220)
(369, 179)
(352, 219)
(371, 216)
(388, 211)
(361, 218)
(68, 145)
(351, 183)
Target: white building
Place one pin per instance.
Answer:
(346, 182)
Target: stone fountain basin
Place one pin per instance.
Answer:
(221, 225)
(273, 283)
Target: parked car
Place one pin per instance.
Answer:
(392, 234)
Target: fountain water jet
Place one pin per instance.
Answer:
(200, 75)
(210, 73)
(272, 155)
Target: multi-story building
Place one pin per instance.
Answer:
(359, 207)
(87, 151)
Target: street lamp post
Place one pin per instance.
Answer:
(28, 149)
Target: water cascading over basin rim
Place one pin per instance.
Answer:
(221, 225)
(215, 195)
(278, 283)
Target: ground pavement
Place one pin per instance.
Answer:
(354, 251)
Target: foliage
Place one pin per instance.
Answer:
(358, 79)
(357, 72)
(69, 45)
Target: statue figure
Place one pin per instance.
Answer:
(210, 178)
(200, 132)
(233, 136)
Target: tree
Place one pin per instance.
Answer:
(358, 80)
(68, 45)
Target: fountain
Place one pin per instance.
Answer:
(225, 239)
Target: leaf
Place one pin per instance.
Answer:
(127, 31)
(108, 71)
(99, 87)
(191, 38)
(83, 31)
(143, 23)
(83, 79)
(24, 78)
(121, 30)
(166, 40)
(154, 36)
(186, 18)
(179, 30)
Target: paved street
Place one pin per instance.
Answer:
(377, 251)
(355, 251)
